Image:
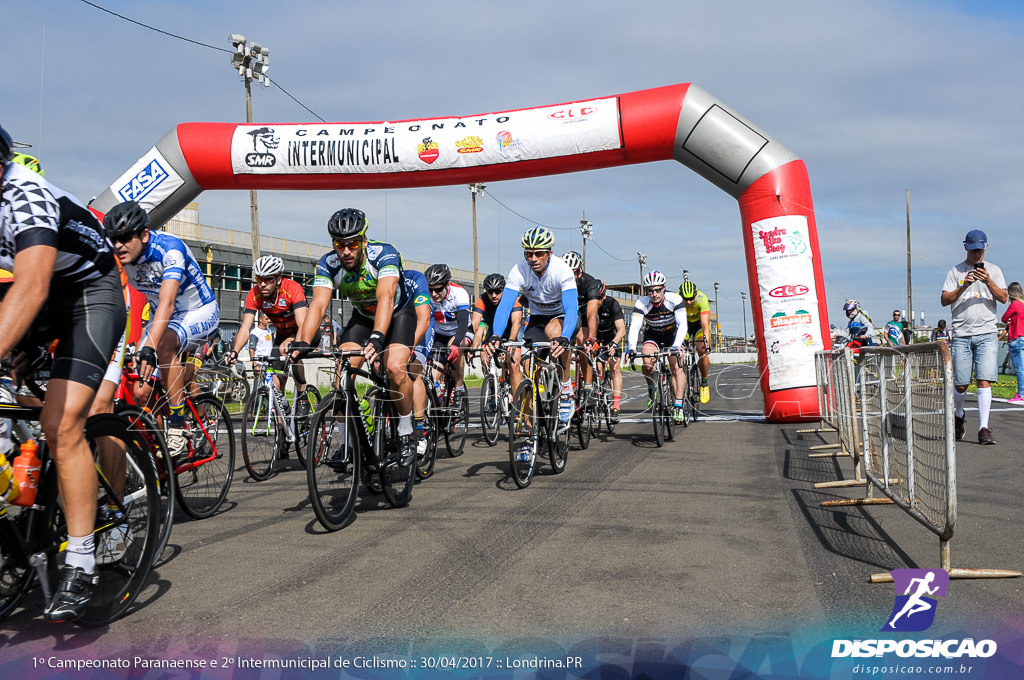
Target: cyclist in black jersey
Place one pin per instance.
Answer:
(588, 292)
(67, 287)
(611, 329)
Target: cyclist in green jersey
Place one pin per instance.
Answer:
(698, 328)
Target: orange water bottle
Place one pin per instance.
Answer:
(8, 489)
(26, 473)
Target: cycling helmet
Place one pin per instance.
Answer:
(494, 283)
(30, 162)
(654, 278)
(851, 308)
(438, 275)
(268, 265)
(347, 223)
(6, 146)
(688, 289)
(538, 238)
(125, 219)
(574, 260)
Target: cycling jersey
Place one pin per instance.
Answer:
(587, 288)
(608, 313)
(664, 320)
(457, 300)
(381, 261)
(486, 309)
(35, 212)
(551, 294)
(700, 306)
(281, 310)
(167, 258)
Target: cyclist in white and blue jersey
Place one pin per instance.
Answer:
(549, 286)
(185, 312)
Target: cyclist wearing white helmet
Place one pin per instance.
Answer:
(588, 299)
(663, 317)
(549, 286)
(283, 300)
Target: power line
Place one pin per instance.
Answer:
(201, 44)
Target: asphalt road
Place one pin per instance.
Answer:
(716, 540)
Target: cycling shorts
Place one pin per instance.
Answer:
(192, 327)
(662, 340)
(695, 330)
(538, 322)
(401, 332)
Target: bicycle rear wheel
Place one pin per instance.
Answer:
(522, 435)
(458, 423)
(332, 473)
(396, 478)
(262, 437)
(693, 393)
(490, 409)
(151, 437)
(206, 469)
(127, 529)
(558, 435)
(305, 406)
(581, 416)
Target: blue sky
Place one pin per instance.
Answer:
(876, 97)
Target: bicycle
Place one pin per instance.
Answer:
(663, 404)
(495, 400)
(270, 425)
(347, 447)
(32, 538)
(205, 470)
(533, 419)
(691, 398)
(583, 416)
(449, 412)
(603, 397)
(227, 384)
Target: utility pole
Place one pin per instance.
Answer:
(743, 306)
(252, 61)
(718, 324)
(642, 259)
(909, 318)
(587, 229)
(476, 189)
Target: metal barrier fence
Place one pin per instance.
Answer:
(837, 404)
(901, 409)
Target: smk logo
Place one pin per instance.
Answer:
(262, 159)
(916, 593)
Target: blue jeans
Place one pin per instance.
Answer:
(977, 354)
(1017, 355)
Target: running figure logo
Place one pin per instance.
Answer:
(916, 590)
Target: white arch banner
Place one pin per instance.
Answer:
(681, 122)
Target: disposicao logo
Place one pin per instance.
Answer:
(916, 603)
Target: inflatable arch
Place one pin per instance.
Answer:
(683, 122)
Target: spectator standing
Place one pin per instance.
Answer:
(1013, 317)
(972, 290)
(894, 331)
(261, 339)
(940, 333)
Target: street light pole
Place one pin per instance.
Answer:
(718, 323)
(252, 61)
(743, 306)
(476, 189)
(587, 229)
(642, 259)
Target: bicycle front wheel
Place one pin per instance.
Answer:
(261, 435)
(305, 406)
(658, 409)
(490, 409)
(458, 423)
(581, 416)
(668, 395)
(206, 469)
(128, 522)
(332, 471)
(425, 461)
(151, 438)
(522, 435)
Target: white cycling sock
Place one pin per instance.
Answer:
(81, 553)
(959, 399)
(984, 406)
(405, 424)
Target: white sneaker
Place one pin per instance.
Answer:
(114, 545)
(565, 407)
(177, 442)
(421, 446)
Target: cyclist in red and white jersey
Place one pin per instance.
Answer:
(450, 304)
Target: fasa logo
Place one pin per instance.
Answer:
(789, 291)
(145, 181)
(916, 593)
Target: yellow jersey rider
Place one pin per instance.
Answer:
(698, 328)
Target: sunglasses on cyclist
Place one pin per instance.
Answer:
(266, 279)
(347, 245)
(437, 291)
(125, 238)
(535, 253)
(655, 289)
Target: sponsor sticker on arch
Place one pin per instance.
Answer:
(148, 182)
(789, 300)
(429, 144)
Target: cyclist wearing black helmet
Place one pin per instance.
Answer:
(371, 275)
(66, 287)
(185, 310)
(485, 307)
(450, 304)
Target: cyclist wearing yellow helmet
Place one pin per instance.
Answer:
(698, 328)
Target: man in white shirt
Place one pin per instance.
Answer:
(261, 339)
(972, 290)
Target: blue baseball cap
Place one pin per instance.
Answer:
(975, 240)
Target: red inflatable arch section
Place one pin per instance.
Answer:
(682, 122)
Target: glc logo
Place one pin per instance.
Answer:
(916, 590)
(573, 112)
(788, 290)
(264, 159)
